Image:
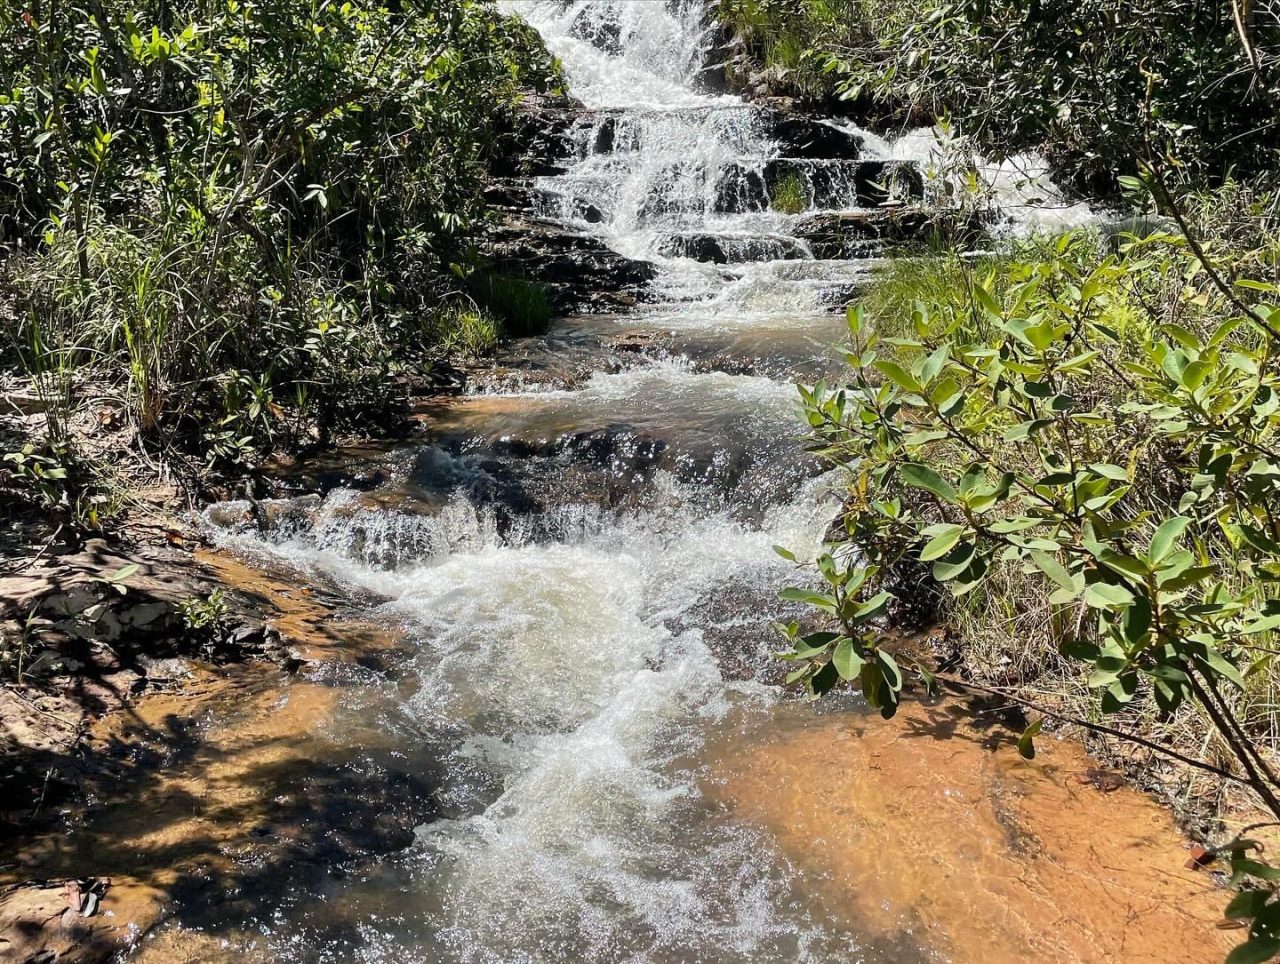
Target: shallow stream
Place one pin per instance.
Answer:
(572, 586)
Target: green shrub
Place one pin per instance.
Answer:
(239, 216)
(1083, 448)
(468, 332)
(1175, 73)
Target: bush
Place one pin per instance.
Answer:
(1188, 77)
(244, 216)
(1081, 447)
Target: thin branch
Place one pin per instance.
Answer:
(1096, 727)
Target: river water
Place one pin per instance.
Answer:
(581, 570)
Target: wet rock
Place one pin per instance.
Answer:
(826, 183)
(858, 234)
(731, 249)
(580, 272)
(66, 921)
(537, 139)
(804, 136)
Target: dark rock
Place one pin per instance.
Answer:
(580, 272)
(537, 138)
(857, 234)
(827, 184)
(802, 136)
(731, 249)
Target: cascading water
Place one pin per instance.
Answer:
(584, 576)
(668, 173)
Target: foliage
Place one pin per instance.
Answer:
(203, 613)
(1089, 82)
(523, 306)
(245, 216)
(469, 332)
(1104, 427)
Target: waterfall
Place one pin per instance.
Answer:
(583, 574)
(667, 172)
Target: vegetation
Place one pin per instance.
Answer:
(1068, 445)
(235, 222)
(790, 195)
(1081, 81)
(1081, 447)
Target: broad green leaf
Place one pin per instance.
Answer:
(847, 661)
(1165, 536)
(1212, 659)
(986, 301)
(1247, 904)
(941, 543)
(897, 374)
(820, 600)
(954, 563)
(889, 669)
(923, 477)
(1101, 595)
(1054, 570)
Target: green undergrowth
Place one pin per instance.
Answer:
(523, 306)
(1070, 448)
(244, 225)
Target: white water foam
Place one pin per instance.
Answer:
(567, 665)
(665, 167)
(1019, 189)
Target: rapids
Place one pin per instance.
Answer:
(585, 573)
(576, 574)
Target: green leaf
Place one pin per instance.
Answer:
(822, 681)
(954, 563)
(1262, 286)
(785, 553)
(1120, 693)
(923, 477)
(1255, 951)
(1101, 595)
(934, 364)
(797, 674)
(1261, 624)
(1264, 935)
(941, 543)
(1054, 570)
(889, 670)
(121, 574)
(986, 300)
(1026, 742)
(1194, 374)
(1247, 904)
(1108, 471)
(897, 374)
(820, 600)
(1164, 537)
(873, 607)
(847, 660)
(1212, 659)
